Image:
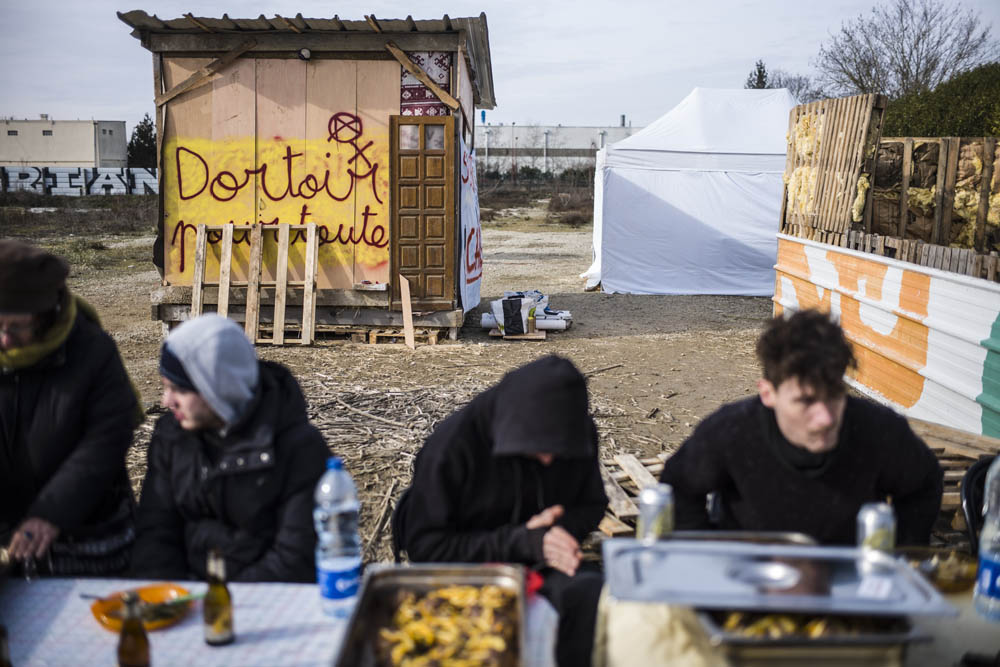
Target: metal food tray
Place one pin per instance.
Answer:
(886, 649)
(758, 577)
(378, 596)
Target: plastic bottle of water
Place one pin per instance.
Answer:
(338, 547)
(987, 595)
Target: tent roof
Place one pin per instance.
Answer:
(719, 120)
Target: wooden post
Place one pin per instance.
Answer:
(942, 166)
(309, 286)
(251, 325)
(225, 269)
(904, 187)
(280, 287)
(948, 200)
(986, 178)
(198, 279)
(404, 293)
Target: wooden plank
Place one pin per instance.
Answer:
(618, 500)
(954, 440)
(950, 500)
(187, 116)
(281, 286)
(904, 187)
(378, 100)
(635, 470)
(309, 286)
(612, 527)
(252, 318)
(198, 276)
(232, 130)
(203, 75)
(948, 200)
(925, 254)
(421, 76)
(332, 88)
(937, 234)
(225, 269)
(351, 41)
(280, 128)
(991, 267)
(986, 178)
(977, 266)
(404, 287)
(834, 123)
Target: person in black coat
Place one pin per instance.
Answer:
(802, 455)
(514, 477)
(67, 413)
(233, 466)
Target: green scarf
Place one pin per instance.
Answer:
(24, 357)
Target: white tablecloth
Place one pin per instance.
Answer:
(276, 624)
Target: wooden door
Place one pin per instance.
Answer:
(422, 151)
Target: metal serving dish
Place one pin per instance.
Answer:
(788, 578)
(883, 648)
(380, 591)
(754, 536)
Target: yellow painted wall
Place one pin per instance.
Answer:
(282, 142)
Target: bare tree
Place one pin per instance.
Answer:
(799, 85)
(903, 47)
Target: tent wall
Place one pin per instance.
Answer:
(687, 232)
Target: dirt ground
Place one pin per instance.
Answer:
(656, 364)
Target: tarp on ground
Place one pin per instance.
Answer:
(691, 204)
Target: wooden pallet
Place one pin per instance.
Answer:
(850, 131)
(428, 336)
(254, 282)
(534, 335)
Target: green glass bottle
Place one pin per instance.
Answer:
(218, 603)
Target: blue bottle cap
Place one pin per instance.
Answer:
(334, 463)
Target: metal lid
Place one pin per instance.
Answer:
(738, 575)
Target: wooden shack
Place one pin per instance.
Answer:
(362, 128)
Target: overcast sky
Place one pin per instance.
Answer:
(575, 63)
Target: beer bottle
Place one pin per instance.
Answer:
(133, 644)
(218, 604)
(4, 648)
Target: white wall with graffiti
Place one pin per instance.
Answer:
(79, 181)
(472, 233)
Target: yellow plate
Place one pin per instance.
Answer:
(103, 610)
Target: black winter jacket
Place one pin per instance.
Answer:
(65, 426)
(733, 452)
(475, 484)
(249, 493)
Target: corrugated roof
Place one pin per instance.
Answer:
(477, 33)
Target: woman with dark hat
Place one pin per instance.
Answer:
(67, 412)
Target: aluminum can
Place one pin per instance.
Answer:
(656, 513)
(876, 527)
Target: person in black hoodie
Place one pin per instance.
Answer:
(233, 465)
(514, 477)
(803, 455)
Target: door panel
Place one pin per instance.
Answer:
(423, 210)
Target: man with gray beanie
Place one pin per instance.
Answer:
(231, 467)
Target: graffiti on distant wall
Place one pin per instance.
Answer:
(340, 182)
(79, 181)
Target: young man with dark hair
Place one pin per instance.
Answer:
(803, 455)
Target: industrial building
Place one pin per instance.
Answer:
(47, 142)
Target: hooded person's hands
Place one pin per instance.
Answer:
(560, 549)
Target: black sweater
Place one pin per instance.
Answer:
(734, 452)
(475, 483)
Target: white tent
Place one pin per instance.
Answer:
(690, 204)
